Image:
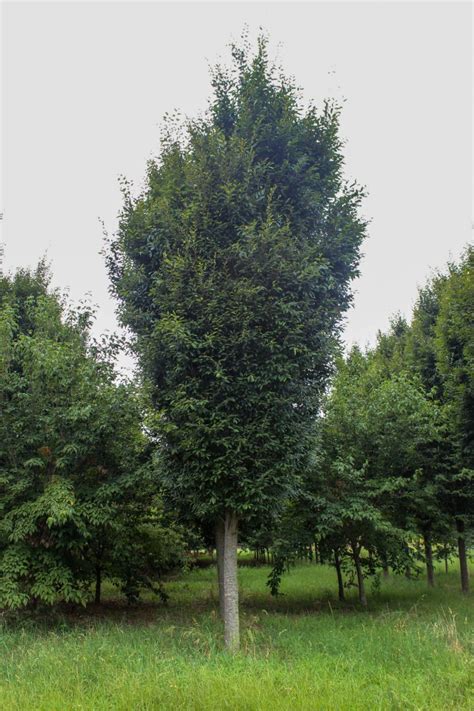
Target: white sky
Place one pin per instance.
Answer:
(85, 85)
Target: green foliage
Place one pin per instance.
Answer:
(232, 269)
(420, 354)
(454, 347)
(373, 485)
(75, 479)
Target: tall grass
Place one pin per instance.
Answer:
(412, 649)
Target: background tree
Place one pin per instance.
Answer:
(373, 487)
(76, 486)
(233, 268)
(454, 350)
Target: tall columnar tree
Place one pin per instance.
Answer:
(233, 268)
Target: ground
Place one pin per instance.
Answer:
(412, 649)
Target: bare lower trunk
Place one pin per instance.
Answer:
(462, 557)
(429, 560)
(340, 582)
(407, 565)
(446, 559)
(220, 563)
(360, 577)
(231, 587)
(98, 584)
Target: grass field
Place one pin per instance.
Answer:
(412, 649)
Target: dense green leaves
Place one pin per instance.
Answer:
(233, 269)
(393, 460)
(75, 480)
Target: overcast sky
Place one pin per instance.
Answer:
(85, 86)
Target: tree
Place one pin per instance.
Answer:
(232, 269)
(359, 467)
(454, 349)
(406, 429)
(420, 352)
(76, 486)
(439, 350)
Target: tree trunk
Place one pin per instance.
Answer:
(429, 560)
(462, 557)
(231, 586)
(360, 577)
(340, 582)
(220, 563)
(407, 566)
(98, 584)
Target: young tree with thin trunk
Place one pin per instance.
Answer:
(340, 579)
(232, 269)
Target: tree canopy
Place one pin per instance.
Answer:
(233, 270)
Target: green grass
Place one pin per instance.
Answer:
(412, 649)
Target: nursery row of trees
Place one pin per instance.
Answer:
(393, 462)
(79, 498)
(390, 480)
(232, 270)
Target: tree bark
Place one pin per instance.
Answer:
(231, 586)
(360, 577)
(340, 582)
(98, 584)
(446, 567)
(429, 559)
(462, 557)
(220, 533)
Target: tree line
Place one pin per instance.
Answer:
(393, 463)
(232, 270)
